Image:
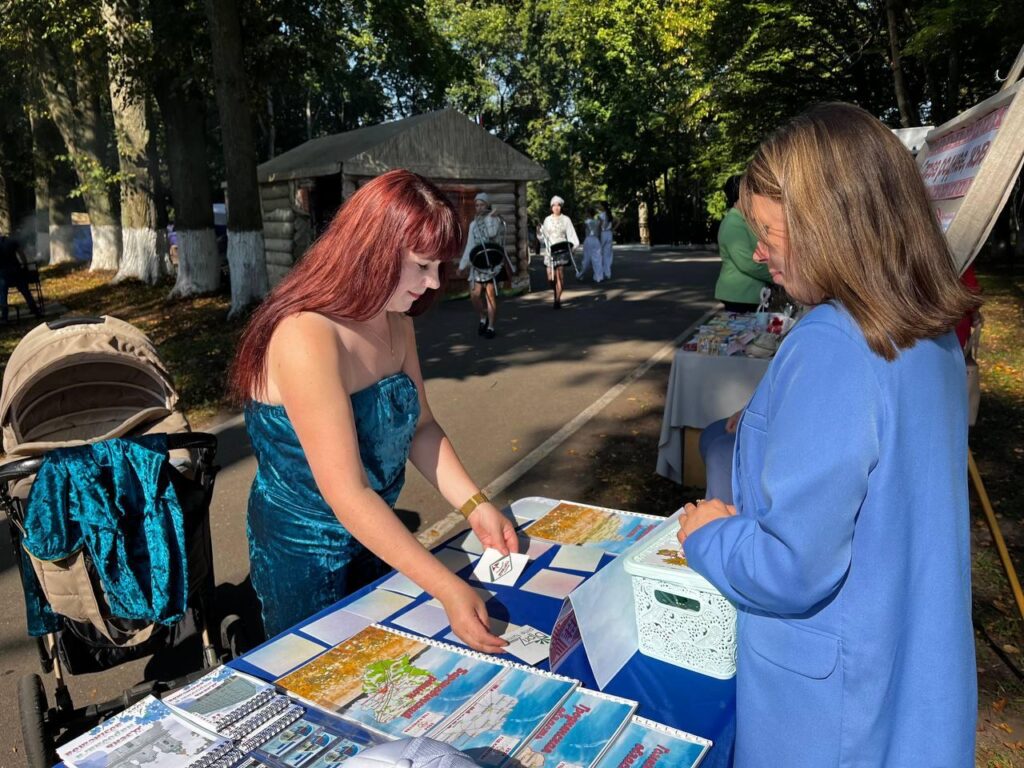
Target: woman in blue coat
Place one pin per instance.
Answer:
(847, 550)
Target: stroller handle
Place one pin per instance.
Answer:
(192, 441)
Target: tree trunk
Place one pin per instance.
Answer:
(198, 260)
(6, 218)
(246, 258)
(141, 258)
(79, 119)
(908, 112)
(953, 84)
(55, 181)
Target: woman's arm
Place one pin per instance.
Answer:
(306, 368)
(433, 455)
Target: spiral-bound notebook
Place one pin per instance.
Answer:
(653, 745)
(149, 733)
(404, 685)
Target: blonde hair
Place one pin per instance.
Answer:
(860, 226)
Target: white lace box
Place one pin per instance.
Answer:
(680, 617)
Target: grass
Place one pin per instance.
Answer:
(193, 336)
(196, 342)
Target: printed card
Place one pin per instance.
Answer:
(285, 653)
(401, 584)
(527, 643)
(425, 619)
(504, 570)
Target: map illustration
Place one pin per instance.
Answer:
(612, 531)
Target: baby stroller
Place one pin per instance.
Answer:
(79, 382)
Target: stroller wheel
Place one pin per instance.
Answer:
(233, 637)
(36, 738)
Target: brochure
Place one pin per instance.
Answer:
(646, 744)
(220, 698)
(318, 740)
(502, 716)
(577, 733)
(397, 684)
(148, 733)
(612, 530)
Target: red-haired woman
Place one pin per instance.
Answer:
(335, 404)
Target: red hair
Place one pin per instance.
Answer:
(354, 267)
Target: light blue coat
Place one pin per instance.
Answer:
(849, 559)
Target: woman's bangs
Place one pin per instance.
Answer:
(435, 234)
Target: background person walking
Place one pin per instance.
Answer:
(559, 238)
(486, 233)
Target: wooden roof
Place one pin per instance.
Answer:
(439, 145)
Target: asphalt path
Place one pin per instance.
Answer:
(530, 412)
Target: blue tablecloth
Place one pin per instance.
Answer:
(667, 694)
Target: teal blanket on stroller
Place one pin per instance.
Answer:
(114, 498)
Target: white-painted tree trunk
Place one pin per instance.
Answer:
(198, 263)
(42, 253)
(140, 258)
(106, 247)
(247, 264)
(62, 244)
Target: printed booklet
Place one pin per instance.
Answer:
(317, 740)
(577, 733)
(148, 733)
(612, 530)
(646, 744)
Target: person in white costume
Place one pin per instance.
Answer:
(591, 246)
(559, 238)
(486, 229)
(608, 227)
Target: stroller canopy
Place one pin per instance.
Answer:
(78, 381)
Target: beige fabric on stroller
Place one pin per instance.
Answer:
(83, 383)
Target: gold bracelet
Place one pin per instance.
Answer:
(472, 503)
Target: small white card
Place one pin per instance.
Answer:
(485, 595)
(573, 558)
(496, 568)
(526, 643)
(425, 619)
(379, 604)
(533, 548)
(337, 627)
(454, 559)
(402, 584)
(553, 584)
(468, 542)
(284, 654)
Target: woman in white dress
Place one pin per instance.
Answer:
(591, 246)
(608, 225)
(559, 238)
(486, 229)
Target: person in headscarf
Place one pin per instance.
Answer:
(486, 233)
(559, 238)
(591, 246)
(608, 227)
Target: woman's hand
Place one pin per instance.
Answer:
(494, 529)
(733, 421)
(469, 620)
(696, 516)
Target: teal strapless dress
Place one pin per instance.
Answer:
(301, 558)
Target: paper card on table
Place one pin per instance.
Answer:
(532, 507)
(379, 604)
(552, 583)
(468, 542)
(455, 559)
(533, 548)
(425, 619)
(485, 595)
(529, 644)
(336, 627)
(565, 636)
(574, 558)
(401, 584)
(285, 653)
(496, 568)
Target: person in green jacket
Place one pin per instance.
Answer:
(741, 279)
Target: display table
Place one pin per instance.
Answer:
(676, 697)
(701, 390)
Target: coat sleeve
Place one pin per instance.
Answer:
(470, 240)
(737, 243)
(821, 438)
(570, 233)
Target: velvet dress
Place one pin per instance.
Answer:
(301, 557)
